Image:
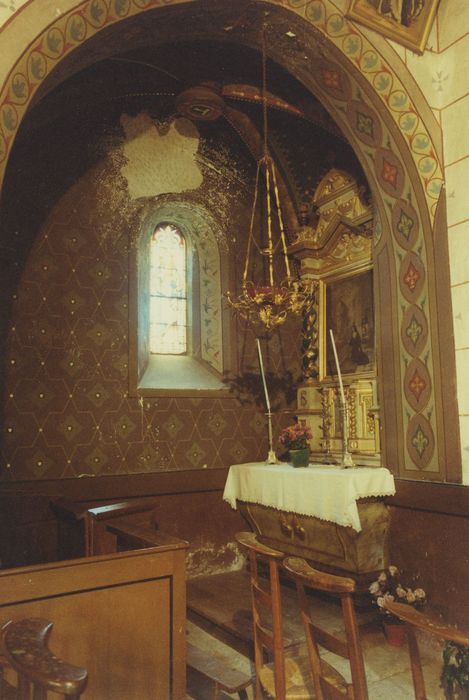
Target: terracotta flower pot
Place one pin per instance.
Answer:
(394, 633)
(455, 693)
(299, 458)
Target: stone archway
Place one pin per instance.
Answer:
(369, 101)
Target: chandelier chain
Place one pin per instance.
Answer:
(267, 303)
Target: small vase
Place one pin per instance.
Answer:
(394, 633)
(299, 458)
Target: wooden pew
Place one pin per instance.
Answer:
(26, 649)
(119, 615)
(83, 527)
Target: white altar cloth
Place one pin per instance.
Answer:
(323, 491)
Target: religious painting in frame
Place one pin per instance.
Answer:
(348, 310)
(406, 21)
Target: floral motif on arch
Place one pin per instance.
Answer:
(414, 331)
(417, 385)
(334, 80)
(331, 79)
(411, 277)
(420, 441)
(365, 124)
(389, 173)
(405, 224)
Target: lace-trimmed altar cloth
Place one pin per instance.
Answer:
(325, 492)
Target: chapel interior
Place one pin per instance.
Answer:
(129, 429)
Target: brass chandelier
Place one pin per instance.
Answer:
(268, 303)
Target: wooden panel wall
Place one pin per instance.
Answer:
(189, 506)
(429, 526)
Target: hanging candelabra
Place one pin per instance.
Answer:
(269, 302)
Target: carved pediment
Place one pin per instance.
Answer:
(343, 229)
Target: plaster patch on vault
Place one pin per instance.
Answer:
(160, 162)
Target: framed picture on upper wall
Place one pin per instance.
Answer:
(347, 309)
(406, 21)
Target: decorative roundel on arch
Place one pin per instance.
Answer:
(334, 80)
(365, 123)
(417, 384)
(405, 224)
(420, 441)
(389, 172)
(414, 330)
(411, 277)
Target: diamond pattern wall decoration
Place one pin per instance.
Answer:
(66, 372)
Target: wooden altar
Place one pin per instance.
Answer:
(349, 538)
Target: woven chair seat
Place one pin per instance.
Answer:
(299, 684)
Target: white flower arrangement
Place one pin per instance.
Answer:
(388, 587)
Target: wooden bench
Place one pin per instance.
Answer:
(218, 669)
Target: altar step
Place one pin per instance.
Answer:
(221, 605)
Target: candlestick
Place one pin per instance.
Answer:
(271, 458)
(347, 460)
(342, 393)
(259, 352)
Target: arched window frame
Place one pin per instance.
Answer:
(211, 354)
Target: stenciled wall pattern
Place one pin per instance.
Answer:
(67, 411)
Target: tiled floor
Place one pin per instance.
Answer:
(387, 668)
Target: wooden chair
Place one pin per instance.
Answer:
(328, 683)
(285, 677)
(414, 620)
(37, 668)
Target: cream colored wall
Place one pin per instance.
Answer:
(441, 74)
(7, 9)
(453, 47)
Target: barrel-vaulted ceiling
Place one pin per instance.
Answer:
(154, 58)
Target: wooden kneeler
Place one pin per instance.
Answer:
(218, 670)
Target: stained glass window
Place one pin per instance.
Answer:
(168, 291)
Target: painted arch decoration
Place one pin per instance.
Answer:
(342, 91)
(88, 18)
